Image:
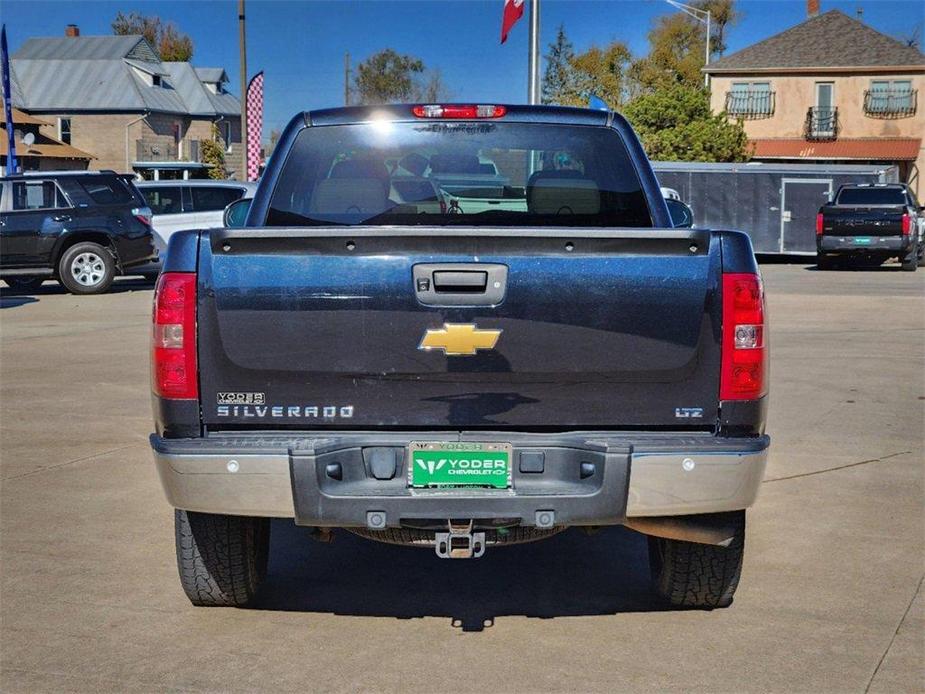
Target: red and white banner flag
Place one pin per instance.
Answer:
(254, 106)
(513, 10)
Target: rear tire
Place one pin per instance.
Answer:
(690, 574)
(911, 260)
(86, 268)
(825, 262)
(222, 559)
(24, 285)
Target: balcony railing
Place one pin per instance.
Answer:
(171, 151)
(750, 105)
(821, 123)
(892, 103)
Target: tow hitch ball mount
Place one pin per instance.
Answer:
(459, 542)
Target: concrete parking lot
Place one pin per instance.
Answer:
(830, 598)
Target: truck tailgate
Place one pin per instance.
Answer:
(323, 327)
(854, 220)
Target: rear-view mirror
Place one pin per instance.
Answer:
(682, 216)
(236, 213)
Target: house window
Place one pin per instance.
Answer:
(890, 98)
(750, 99)
(64, 130)
(822, 120)
(224, 130)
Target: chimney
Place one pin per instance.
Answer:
(812, 8)
(72, 30)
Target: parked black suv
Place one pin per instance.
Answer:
(81, 228)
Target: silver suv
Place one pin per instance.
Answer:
(187, 205)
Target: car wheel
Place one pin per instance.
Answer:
(24, 284)
(86, 268)
(222, 559)
(825, 262)
(690, 574)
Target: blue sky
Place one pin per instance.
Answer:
(301, 44)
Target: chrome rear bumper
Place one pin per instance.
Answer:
(283, 476)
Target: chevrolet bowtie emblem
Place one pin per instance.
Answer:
(459, 339)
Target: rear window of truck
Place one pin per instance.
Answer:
(871, 196)
(491, 174)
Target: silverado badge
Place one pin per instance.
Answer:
(459, 339)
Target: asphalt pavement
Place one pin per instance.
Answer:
(830, 598)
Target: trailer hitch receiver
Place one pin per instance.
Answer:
(459, 542)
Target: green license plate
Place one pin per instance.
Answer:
(862, 241)
(460, 464)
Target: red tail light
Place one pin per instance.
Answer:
(819, 224)
(173, 348)
(907, 225)
(744, 371)
(143, 215)
(458, 111)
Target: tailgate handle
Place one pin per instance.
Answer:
(460, 281)
(459, 284)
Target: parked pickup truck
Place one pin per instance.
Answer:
(871, 222)
(460, 381)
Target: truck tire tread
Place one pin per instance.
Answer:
(694, 575)
(221, 559)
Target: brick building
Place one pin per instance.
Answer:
(828, 90)
(113, 97)
(35, 150)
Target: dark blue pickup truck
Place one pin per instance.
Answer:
(463, 376)
(871, 222)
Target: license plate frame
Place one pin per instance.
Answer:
(431, 465)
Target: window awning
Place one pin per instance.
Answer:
(866, 149)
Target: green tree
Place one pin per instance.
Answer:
(558, 82)
(387, 77)
(171, 44)
(677, 44)
(570, 79)
(602, 72)
(675, 123)
(723, 13)
(213, 155)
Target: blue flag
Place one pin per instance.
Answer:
(12, 166)
(598, 103)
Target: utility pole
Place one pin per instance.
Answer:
(347, 78)
(242, 47)
(704, 17)
(533, 57)
(706, 61)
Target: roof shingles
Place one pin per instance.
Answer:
(828, 40)
(95, 73)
